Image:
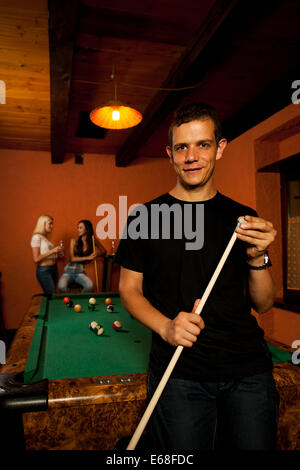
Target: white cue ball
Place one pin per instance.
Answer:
(92, 301)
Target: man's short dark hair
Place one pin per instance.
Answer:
(194, 112)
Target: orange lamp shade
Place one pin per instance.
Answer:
(115, 117)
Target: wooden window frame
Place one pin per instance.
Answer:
(290, 296)
(289, 169)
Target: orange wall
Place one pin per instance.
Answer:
(235, 172)
(30, 186)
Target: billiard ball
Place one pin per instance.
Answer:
(100, 330)
(108, 301)
(77, 308)
(117, 325)
(92, 304)
(66, 300)
(110, 308)
(96, 328)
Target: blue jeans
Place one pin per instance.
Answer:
(237, 415)
(74, 272)
(47, 277)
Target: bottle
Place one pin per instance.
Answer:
(62, 246)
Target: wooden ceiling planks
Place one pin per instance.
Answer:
(24, 67)
(154, 43)
(145, 42)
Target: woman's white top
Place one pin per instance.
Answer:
(43, 243)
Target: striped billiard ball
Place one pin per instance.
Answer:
(117, 325)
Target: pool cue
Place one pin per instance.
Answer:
(95, 264)
(147, 414)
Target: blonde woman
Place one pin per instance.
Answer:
(44, 254)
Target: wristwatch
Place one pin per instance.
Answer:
(267, 263)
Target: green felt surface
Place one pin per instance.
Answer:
(278, 355)
(64, 347)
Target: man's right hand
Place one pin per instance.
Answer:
(184, 329)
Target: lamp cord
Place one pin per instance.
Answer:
(140, 86)
(160, 89)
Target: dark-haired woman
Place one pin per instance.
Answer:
(81, 253)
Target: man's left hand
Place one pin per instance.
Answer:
(258, 233)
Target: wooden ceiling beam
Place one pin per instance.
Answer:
(62, 30)
(119, 24)
(162, 103)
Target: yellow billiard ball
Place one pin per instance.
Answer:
(108, 301)
(77, 308)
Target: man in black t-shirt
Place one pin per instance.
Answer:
(221, 393)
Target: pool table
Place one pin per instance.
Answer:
(87, 392)
(90, 390)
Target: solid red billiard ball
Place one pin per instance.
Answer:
(66, 300)
(77, 308)
(108, 301)
(117, 325)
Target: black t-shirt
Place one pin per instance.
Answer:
(176, 271)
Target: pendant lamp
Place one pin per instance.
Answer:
(115, 115)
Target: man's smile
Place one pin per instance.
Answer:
(192, 170)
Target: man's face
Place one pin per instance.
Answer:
(194, 152)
